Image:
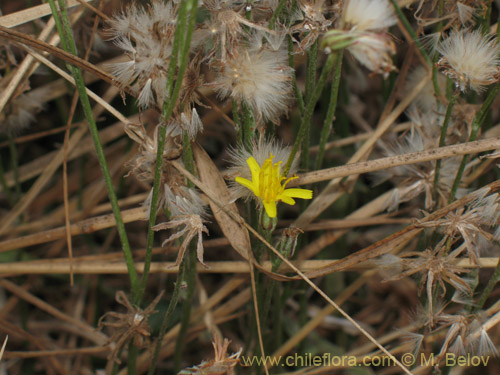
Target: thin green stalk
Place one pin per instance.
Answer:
(188, 157)
(311, 103)
(277, 11)
(191, 266)
(68, 43)
(291, 62)
(312, 58)
(166, 318)
(186, 306)
(133, 351)
(248, 125)
(312, 61)
(182, 42)
(237, 122)
(410, 30)
(435, 54)
(332, 106)
(435, 82)
(488, 289)
(444, 130)
(179, 35)
(485, 23)
(440, 13)
(476, 125)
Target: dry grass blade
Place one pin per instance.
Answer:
(399, 160)
(85, 226)
(116, 267)
(26, 65)
(36, 44)
(31, 14)
(3, 346)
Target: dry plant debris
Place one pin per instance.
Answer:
(376, 122)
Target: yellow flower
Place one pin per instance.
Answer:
(266, 184)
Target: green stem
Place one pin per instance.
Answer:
(132, 358)
(277, 11)
(435, 82)
(291, 62)
(182, 41)
(311, 103)
(188, 157)
(444, 130)
(488, 289)
(312, 58)
(248, 125)
(410, 30)
(332, 106)
(476, 125)
(68, 43)
(167, 316)
(439, 26)
(186, 306)
(237, 122)
(485, 22)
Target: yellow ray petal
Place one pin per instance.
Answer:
(248, 184)
(298, 193)
(270, 208)
(255, 170)
(286, 200)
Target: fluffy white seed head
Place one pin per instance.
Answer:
(189, 122)
(144, 34)
(184, 202)
(369, 15)
(374, 52)
(470, 59)
(261, 78)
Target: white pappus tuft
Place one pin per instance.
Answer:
(259, 77)
(470, 59)
(144, 34)
(187, 219)
(369, 15)
(189, 122)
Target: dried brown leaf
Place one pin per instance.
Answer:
(209, 174)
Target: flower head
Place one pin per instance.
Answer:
(363, 32)
(369, 15)
(259, 76)
(470, 59)
(267, 185)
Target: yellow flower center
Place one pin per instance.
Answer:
(270, 180)
(266, 185)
